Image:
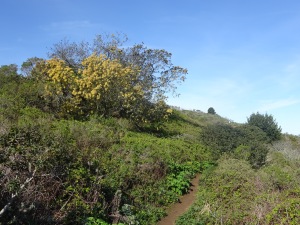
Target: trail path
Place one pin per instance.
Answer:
(182, 206)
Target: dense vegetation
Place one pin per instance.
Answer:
(235, 193)
(86, 138)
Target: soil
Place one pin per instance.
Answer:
(179, 208)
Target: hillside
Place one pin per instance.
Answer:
(235, 193)
(67, 172)
(87, 138)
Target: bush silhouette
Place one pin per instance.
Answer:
(211, 110)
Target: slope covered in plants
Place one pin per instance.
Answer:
(236, 193)
(87, 138)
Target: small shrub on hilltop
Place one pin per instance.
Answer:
(211, 110)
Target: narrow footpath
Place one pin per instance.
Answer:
(179, 208)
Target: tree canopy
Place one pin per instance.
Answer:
(211, 110)
(267, 124)
(157, 74)
(107, 78)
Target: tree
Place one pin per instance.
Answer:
(243, 142)
(267, 124)
(220, 137)
(8, 74)
(102, 86)
(71, 53)
(29, 66)
(211, 110)
(131, 81)
(157, 75)
(18, 91)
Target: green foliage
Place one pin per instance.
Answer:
(281, 179)
(94, 168)
(258, 155)
(211, 110)
(105, 169)
(255, 154)
(267, 123)
(235, 193)
(283, 173)
(29, 67)
(224, 195)
(17, 92)
(220, 137)
(180, 175)
(287, 212)
(243, 142)
(179, 183)
(95, 221)
(8, 74)
(10, 101)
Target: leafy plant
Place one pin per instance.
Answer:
(242, 142)
(287, 212)
(266, 123)
(95, 221)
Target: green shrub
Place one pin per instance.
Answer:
(267, 124)
(95, 221)
(220, 138)
(211, 110)
(286, 212)
(243, 142)
(179, 176)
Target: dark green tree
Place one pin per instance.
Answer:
(8, 74)
(211, 110)
(267, 124)
(220, 137)
(243, 142)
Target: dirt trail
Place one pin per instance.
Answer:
(182, 206)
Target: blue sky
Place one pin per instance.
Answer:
(242, 56)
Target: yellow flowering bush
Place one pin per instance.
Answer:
(100, 86)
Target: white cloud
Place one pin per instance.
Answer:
(224, 88)
(289, 75)
(278, 104)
